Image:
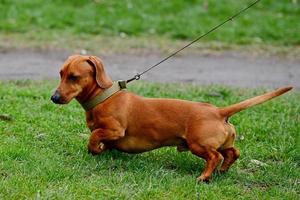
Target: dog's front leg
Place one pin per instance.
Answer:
(95, 145)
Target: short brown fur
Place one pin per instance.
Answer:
(135, 124)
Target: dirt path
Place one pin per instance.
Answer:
(232, 69)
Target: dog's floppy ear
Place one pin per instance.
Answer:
(102, 79)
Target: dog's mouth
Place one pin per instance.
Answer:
(57, 98)
(60, 98)
(58, 102)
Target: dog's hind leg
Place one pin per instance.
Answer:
(204, 139)
(211, 156)
(230, 156)
(229, 153)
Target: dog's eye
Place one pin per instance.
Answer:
(72, 77)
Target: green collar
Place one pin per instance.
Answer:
(117, 86)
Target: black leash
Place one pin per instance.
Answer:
(138, 75)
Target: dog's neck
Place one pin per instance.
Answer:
(98, 95)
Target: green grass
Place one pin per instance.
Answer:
(43, 152)
(269, 22)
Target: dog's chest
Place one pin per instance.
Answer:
(90, 121)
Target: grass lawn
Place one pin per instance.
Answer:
(43, 152)
(269, 22)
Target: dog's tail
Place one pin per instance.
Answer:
(232, 109)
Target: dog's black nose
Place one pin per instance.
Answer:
(56, 97)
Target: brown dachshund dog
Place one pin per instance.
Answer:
(135, 124)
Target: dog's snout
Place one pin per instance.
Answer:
(56, 97)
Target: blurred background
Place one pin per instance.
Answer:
(133, 34)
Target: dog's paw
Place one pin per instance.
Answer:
(222, 171)
(203, 179)
(95, 150)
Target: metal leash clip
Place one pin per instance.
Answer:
(137, 76)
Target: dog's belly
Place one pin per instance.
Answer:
(133, 144)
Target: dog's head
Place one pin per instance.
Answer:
(80, 75)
